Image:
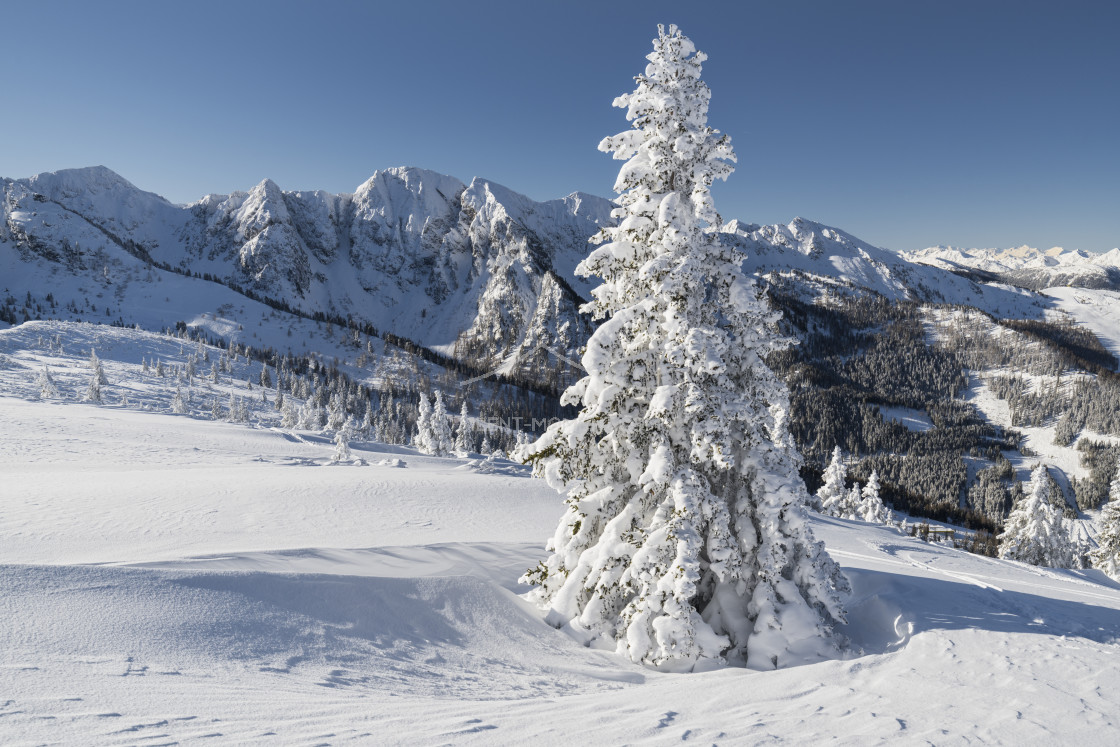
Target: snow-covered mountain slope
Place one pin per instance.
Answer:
(836, 258)
(472, 270)
(412, 252)
(171, 579)
(1029, 267)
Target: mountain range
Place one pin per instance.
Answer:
(474, 271)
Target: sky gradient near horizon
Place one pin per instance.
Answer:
(909, 124)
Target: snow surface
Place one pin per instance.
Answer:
(167, 579)
(908, 417)
(1096, 309)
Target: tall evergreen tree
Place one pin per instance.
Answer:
(686, 539)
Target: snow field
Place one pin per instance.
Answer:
(370, 604)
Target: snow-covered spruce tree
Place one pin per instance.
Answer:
(442, 443)
(1107, 554)
(96, 367)
(423, 438)
(464, 438)
(178, 404)
(1033, 532)
(871, 506)
(47, 387)
(93, 391)
(342, 445)
(833, 491)
(686, 540)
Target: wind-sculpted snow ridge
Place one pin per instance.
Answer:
(170, 579)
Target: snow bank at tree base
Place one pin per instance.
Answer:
(131, 618)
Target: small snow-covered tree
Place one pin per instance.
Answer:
(463, 435)
(487, 447)
(686, 539)
(96, 367)
(1107, 554)
(871, 506)
(423, 439)
(47, 387)
(93, 391)
(833, 491)
(178, 404)
(1033, 532)
(342, 443)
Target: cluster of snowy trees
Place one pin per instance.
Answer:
(685, 542)
(836, 499)
(236, 383)
(1035, 531)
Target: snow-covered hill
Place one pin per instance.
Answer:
(172, 579)
(1029, 267)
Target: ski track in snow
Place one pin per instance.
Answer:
(165, 579)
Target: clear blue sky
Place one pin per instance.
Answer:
(909, 124)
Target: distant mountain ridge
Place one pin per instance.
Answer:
(1029, 267)
(475, 271)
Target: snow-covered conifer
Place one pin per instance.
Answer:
(833, 491)
(442, 443)
(336, 411)
(96, 367)
(1033, 532)
(160, 370)
(423, 439)
(289, 417)
(1107, 554)
(342, 444)
(463, 436)
(178, 404)
(686, 540)
(47, 387)
(871, 506)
